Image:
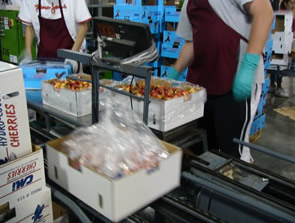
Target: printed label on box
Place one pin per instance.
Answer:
(22, 176)
(15, 139)
(33, 209)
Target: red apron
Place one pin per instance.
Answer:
(54, 35)
(216, 49)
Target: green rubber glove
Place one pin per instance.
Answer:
(242, 86)
(173, 74)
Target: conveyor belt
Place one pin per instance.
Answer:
(180, 209)
(182, 136)
(226, 184)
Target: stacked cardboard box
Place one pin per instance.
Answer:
(282, 37)
(23, 194)
(15, 139)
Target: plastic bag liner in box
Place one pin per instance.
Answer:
(178, 110)
(118, 145)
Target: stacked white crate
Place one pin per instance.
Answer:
(282, 37)
(24, 196)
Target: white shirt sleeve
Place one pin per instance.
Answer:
(82, 13)
(25, 12)
(241, 3)
(184, 27)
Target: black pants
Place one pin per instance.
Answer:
(225, 119)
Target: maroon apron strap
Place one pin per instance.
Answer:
(40, 7)
(61, 10)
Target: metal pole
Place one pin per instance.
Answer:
(264, 150)
(146, 98)
(95, 95)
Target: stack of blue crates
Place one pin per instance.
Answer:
(172, 44)
(259, 119)
(150, 12)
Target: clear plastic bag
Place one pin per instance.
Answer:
(118, 145)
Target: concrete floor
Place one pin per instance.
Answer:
(278, 134)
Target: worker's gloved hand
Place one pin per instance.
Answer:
(27, 59)
(74, 64)
(242, 86)
(173, 74)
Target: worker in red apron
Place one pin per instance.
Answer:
(224, 43)
(59, 24)
(54, 35)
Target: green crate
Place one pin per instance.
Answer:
(12, 37)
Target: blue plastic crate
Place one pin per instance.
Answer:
(36, 72)
(171, 14)
(267, 60)
(260, 107)
(268, 46)
(150, 15)
(170, 37)
(265, 86)
(140, 12)
(153, 11)
(127, 12)
(139, 2)
(257, 124)
(273, 25)
(170, 50)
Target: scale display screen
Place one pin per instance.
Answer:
(122, 38)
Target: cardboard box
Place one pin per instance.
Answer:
(283, 21)
(279, 59)
(76, 103)
(15, 138)
(30, 208)
(283, 37)
(164, 115)
(282, 47)
(115, 199)
(22, 176)
(170, 114)
(35, 73)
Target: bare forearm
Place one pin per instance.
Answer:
(262, 14)
(80, 36)
(29, 37)
(185, 57)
